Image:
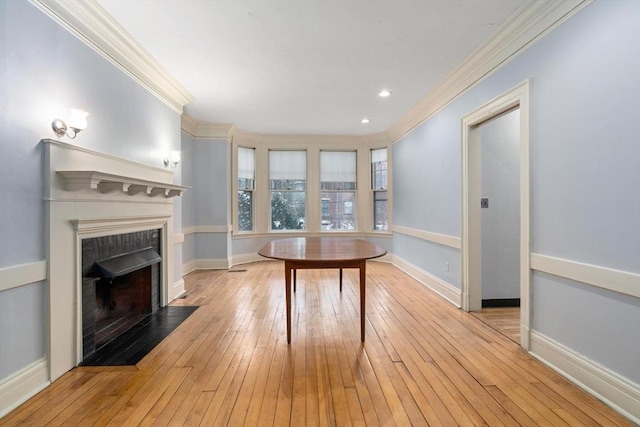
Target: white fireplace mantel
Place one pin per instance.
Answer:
(106, 183)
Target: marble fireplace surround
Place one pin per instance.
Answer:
(91, 194)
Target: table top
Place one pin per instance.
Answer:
(321, 249)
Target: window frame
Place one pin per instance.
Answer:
(239, 189)
(291, 191)
(353, 191)
(379, 189)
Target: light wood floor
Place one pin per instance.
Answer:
(424, 362)
(504, 320)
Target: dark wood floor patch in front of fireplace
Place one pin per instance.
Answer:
(130, 347)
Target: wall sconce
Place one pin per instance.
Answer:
(77, 122)
(173, 159)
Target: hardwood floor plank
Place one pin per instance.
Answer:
(89, 398)
(424, 362)
(56, 391)
(143, 400)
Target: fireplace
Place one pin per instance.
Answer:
(120, 285)
(95, 195)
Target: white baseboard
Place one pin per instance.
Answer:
(220, 263)
(611, 388)
(178, 289)
(21, 386)
(213, 264)
(388, 258)
(247, 258)
(188, 267)
(437, 285)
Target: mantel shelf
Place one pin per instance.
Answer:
(106, 183)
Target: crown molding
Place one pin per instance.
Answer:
(188, 125)
(206, 130)
(227, 130)
(214, 130)
(530, 23)
(88, 21)
(377, 139)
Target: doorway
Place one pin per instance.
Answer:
(495, 242)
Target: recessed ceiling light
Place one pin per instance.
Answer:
(365, 121)
(384, 93)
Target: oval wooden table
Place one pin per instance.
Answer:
(322, 252)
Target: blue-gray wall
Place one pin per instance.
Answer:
(44, 71)
(208, 204)
(585, 159)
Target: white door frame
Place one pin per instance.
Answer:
(471, 298)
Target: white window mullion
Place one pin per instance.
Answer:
(363, 196)
(262, 190)
(313, 189)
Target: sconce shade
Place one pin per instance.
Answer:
(172, 159)
(175, 157)
(78, 119)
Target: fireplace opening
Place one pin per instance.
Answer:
(120, 286)
(121, 302)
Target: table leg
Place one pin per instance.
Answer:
(340, 280)
(363, 296)
(294, 279)
(287, 292)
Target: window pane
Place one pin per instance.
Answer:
(245, 211)
(380, 210)
(288, 210)
(285, 165)
(245, 184)
(246, 163)
(338, 166)
(338, 186)
(338, 210)
(379, 169)
(379, 155)
(288, 184)
(379, 175)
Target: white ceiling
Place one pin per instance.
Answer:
(308, 67)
